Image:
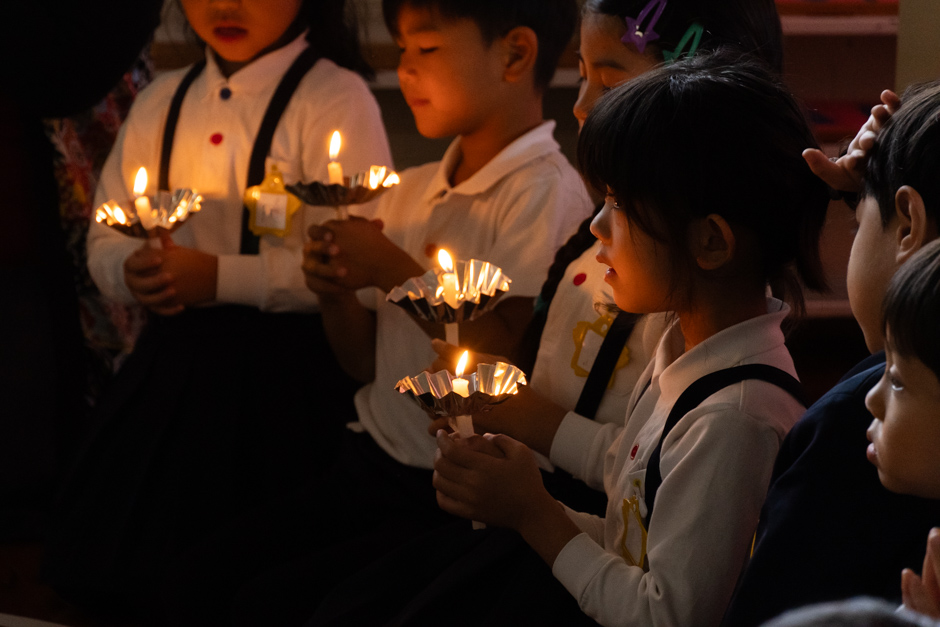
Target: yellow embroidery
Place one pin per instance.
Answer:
(270, 205)
(580, 334)
(630, 510)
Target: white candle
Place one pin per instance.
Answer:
(448, 279)
(141, 201)
(334, 167)
(461, 386)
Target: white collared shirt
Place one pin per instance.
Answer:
(716, 465)
(218, 123)
(514, 212)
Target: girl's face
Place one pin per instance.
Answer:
(605, 61)
(905, 434)
(240, 31)
(639, 266)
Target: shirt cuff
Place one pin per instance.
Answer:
(241, 280)
(575, 435)
(578, 564)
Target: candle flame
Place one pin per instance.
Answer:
(443, 258)
(336, 142)
(140, 182)
(462, 363)
(376, 176)
(392, 179)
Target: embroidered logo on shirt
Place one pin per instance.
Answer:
(633, 529)
(588, 337)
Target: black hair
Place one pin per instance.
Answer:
(333, 32)
(553, 22)
(907, 152)
(857, 612)
(718, 133)
(751, 26)
(912, 307)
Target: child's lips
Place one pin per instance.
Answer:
(872, 454)
(229, 33)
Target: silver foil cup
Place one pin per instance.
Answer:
(480, 285)
(489, 385)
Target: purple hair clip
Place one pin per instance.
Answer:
(636, 34)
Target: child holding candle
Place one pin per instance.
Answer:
(210, 414)
(503, 193)
(686, 477)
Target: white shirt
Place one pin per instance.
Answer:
(716, 465)
(514, 212)
(211, 149)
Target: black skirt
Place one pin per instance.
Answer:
(217, 412)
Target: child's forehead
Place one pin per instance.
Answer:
(416, 20)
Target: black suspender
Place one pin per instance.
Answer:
(695, 394)
(262, 145)
(603, 367)
(172, 117)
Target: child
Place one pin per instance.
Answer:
(677, 243)
(210, 415)
(905, 434)
(503, 193)
(829, 529)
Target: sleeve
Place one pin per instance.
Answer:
(272, 280)
(580, 446)
(107, 248)
(539, 217)
(700, 535)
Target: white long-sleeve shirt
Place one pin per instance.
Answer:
(716, 465)
(218, 123)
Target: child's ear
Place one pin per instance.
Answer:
(520, 51)
(913, 228)
(713, 242)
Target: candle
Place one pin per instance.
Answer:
(141, 202)
(448, 279)
(461, 385)
(334, 168)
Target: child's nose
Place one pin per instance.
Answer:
(874, 400)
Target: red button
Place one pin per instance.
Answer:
(579, 278)
(216, 138)
(636, 447)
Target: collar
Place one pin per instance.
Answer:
(531, 145)
(742, 343)
(261, 75)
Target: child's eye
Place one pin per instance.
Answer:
(896, 384)
(427, 50)
(611, 200)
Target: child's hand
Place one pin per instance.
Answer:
(193, 273)
(354, 253)
(922, 594)
(149, 283)
(493, 479)
(846, 172)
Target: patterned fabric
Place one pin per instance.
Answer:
(82, 142)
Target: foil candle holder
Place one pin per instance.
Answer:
(360, 188)
(464, 293)
(167, 211)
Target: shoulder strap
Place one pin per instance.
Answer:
(172, 116)
(279, 101)
(695, 394)
(603, 367)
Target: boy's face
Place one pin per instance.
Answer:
(905, 434)
(872, 263)
(449, 75)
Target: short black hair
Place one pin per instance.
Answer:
(907, 152)
(912, 307)
(553, 22)
(717, 133)
(751, 26)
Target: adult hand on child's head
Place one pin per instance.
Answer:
(149, 283)
(493, 479)
(922, 594)
(846, 172)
